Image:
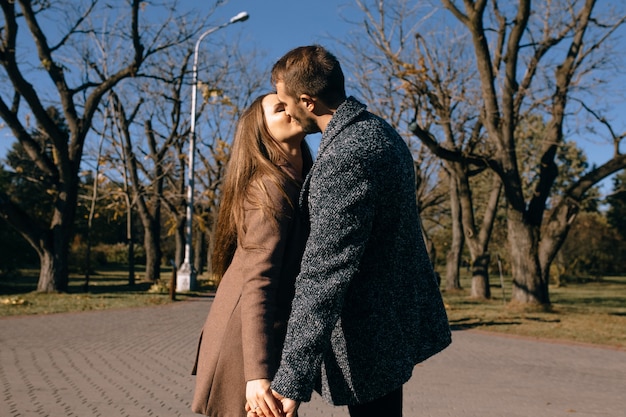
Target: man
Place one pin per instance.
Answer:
(367, 306)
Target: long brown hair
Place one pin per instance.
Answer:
(254, 155)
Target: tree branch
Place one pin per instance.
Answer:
(31, 147)
(614, 136)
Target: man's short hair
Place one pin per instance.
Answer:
(311, 70)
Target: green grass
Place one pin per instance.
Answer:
(591, 311)
(108, 289)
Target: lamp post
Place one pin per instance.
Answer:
(186, 276)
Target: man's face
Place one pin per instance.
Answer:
(297, 110)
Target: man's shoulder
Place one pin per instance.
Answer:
(354, 129)
(372, 129)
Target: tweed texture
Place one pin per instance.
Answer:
(367, 307)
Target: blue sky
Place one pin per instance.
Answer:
(275, 26)
(278, 25)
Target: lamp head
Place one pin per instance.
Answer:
(240, 17)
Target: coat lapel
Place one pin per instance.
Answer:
(345, 114)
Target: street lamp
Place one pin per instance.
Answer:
(186, 276)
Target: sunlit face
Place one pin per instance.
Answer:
(297, 110)
(282, 127)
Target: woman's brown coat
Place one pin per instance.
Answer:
(243, 335)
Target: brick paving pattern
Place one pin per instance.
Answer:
(137, 362)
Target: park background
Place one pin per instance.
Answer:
(144, 117)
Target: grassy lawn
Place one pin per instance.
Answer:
(592, 311)
(107, 289)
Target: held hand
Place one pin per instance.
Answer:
(289, 406)
(261, 402)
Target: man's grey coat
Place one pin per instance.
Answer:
(367, 306)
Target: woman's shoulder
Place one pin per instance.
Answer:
(276, 190)
(274, 182)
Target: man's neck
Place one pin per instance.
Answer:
(323, 120)
(323, 115)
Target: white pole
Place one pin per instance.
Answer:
(186, 275)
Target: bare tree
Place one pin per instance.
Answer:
(446, 92)
(152, 139)
(523, 62)
(93, 201)
(78, 98)
(436, 98)
(374, 81)
(561, 42)
(224, 97)
(73, 64)
(147, 197)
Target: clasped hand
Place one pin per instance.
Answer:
(262, 401)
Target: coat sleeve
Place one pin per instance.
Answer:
(262, 247)
(341, 203)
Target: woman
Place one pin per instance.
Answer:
(259, 240)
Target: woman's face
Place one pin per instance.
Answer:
(281, 126)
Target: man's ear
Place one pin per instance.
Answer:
(308, 101)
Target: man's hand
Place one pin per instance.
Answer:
(289, 406)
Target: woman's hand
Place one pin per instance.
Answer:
(260, 401)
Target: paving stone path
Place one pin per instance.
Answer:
(137, 362)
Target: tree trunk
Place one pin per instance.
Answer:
(87, 261)
(152, 235)
(199, 249)
(131, 246)
(529, 286)
(54, 246)
(131, 262)
(453, 267)
(480, 277)
(48, 272)
(453, 258)
(478, 239)
(53, 258)
(180, 241)
(209, 250)
(129, 235)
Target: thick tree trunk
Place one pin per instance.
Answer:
(53, 247)
(529, 284)
(480, 277)
(54, 270)
(48, 272)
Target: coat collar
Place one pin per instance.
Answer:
(347, 111)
